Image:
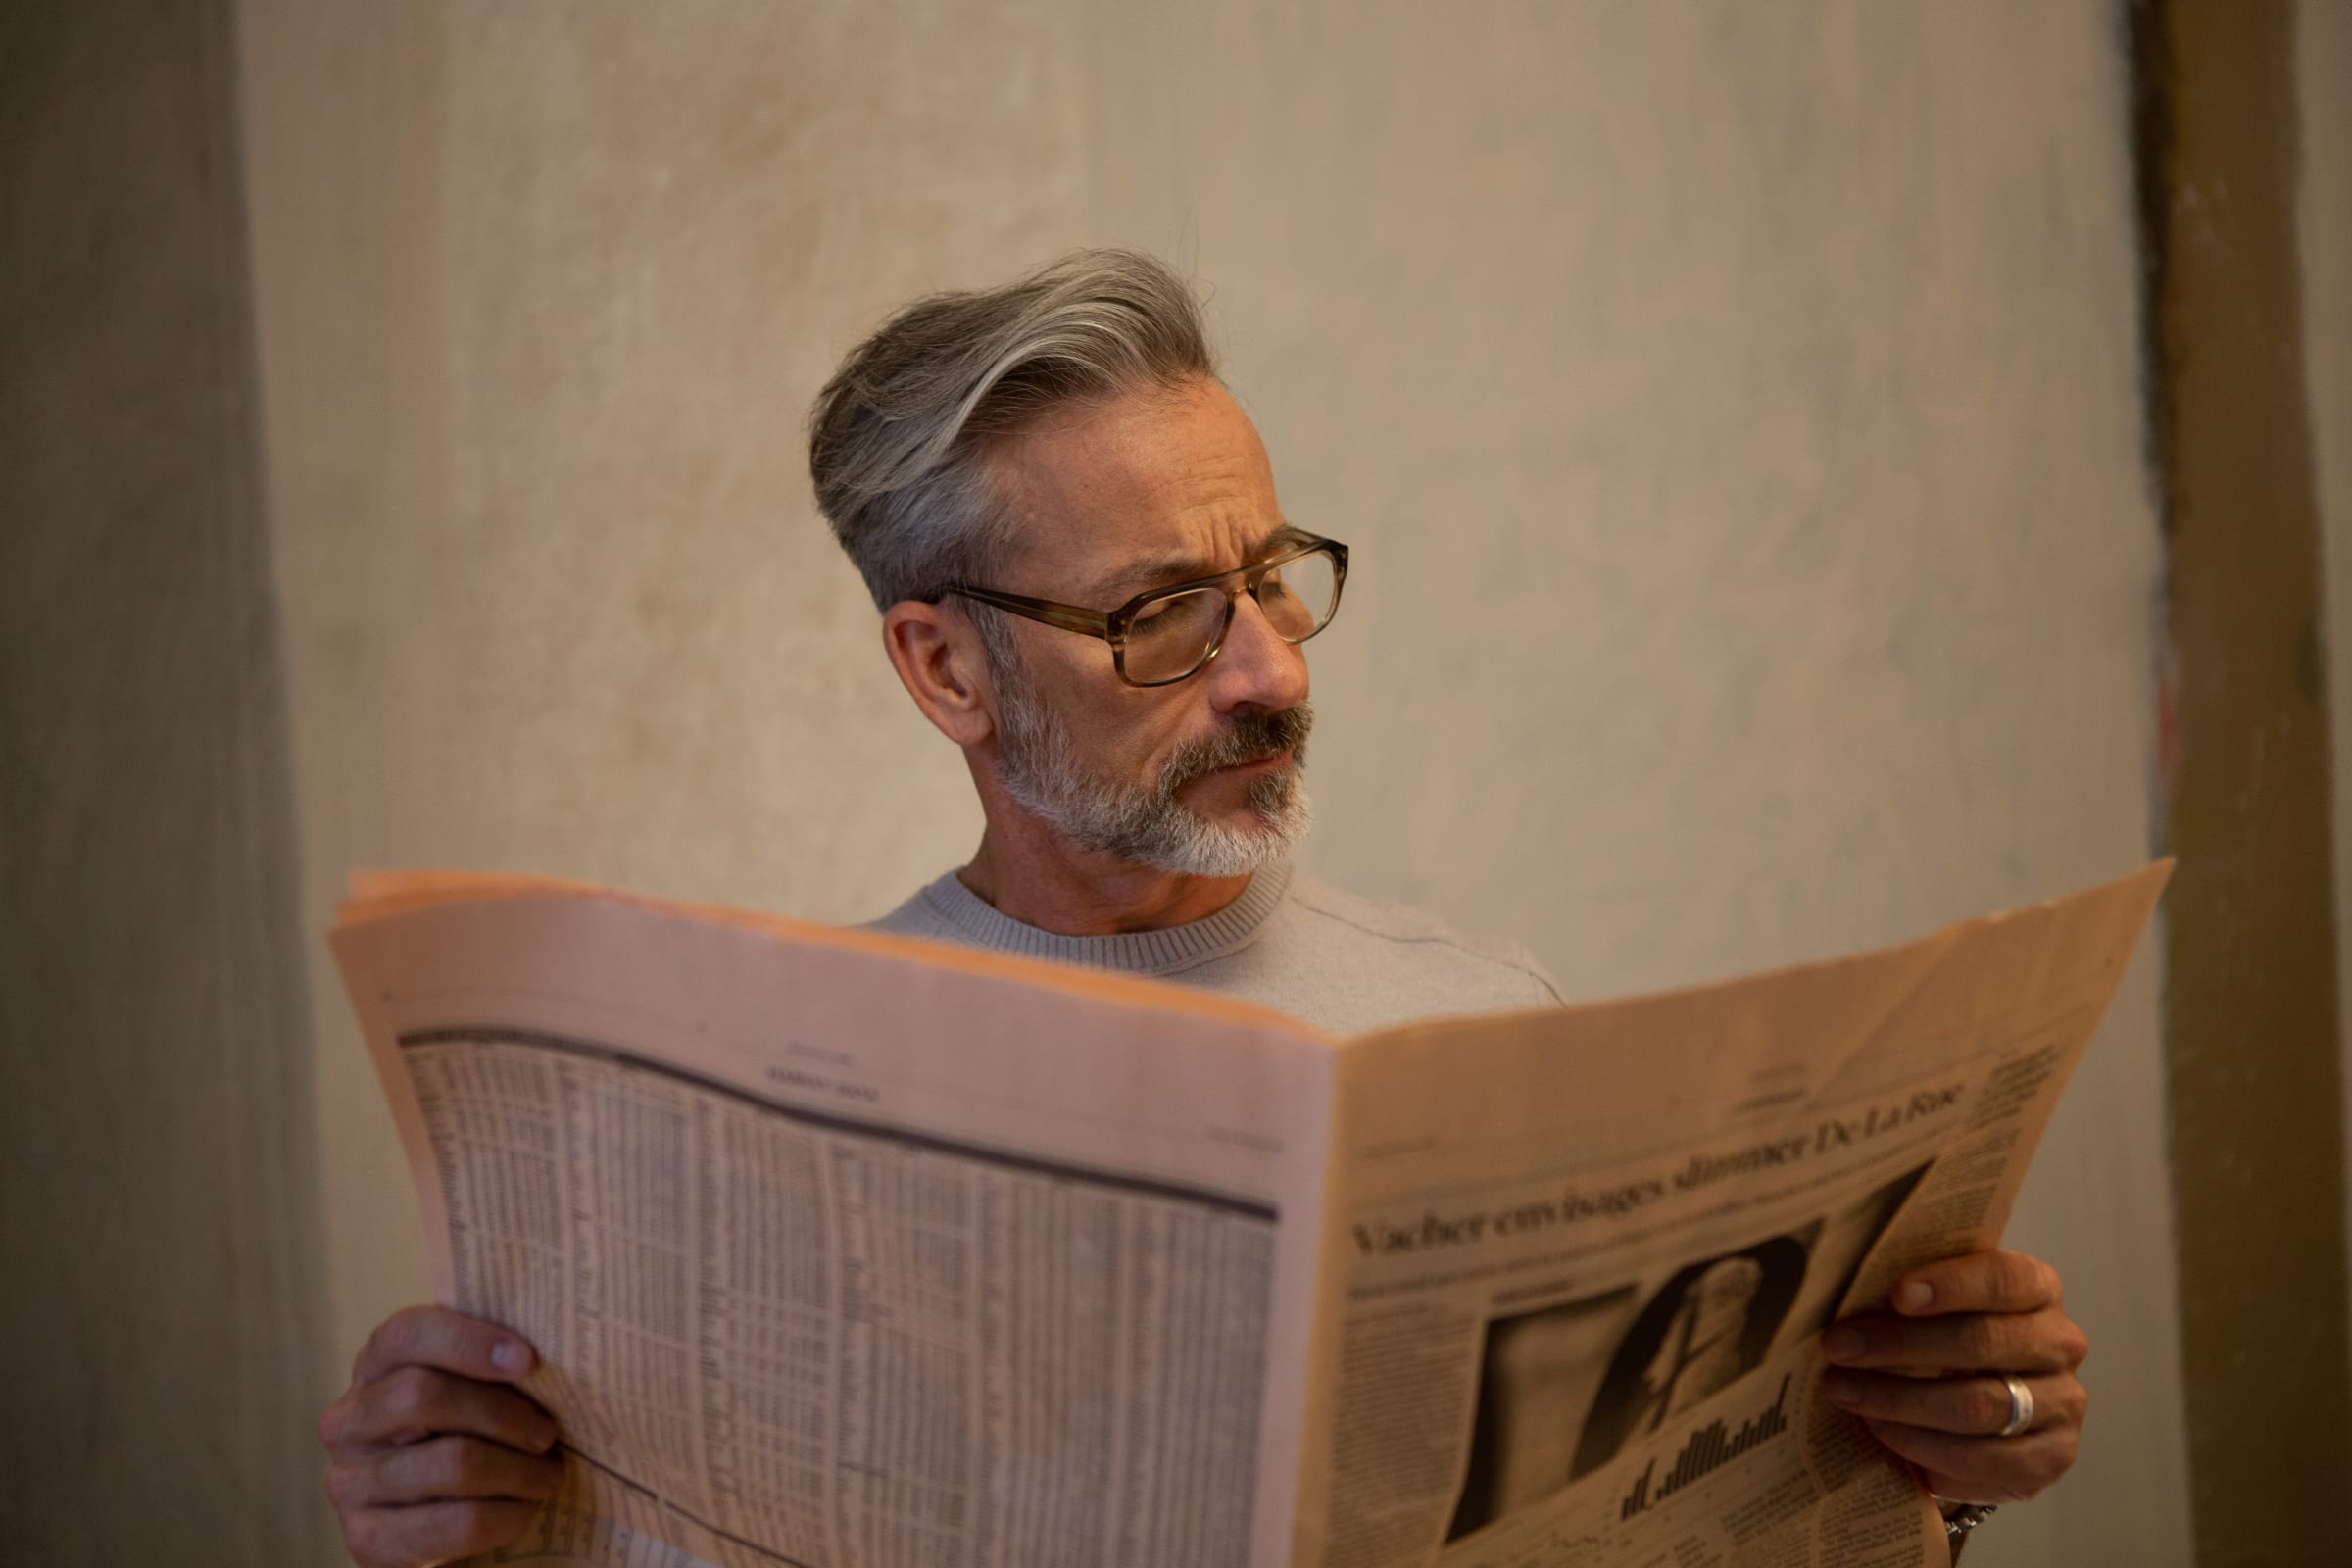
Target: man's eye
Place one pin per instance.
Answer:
(1187, 615)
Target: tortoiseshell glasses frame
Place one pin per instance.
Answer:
(1172, 629)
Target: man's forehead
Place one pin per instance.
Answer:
(1124, 580)
(1143, 490)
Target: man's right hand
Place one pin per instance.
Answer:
(432, 1453)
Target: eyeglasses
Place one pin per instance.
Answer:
(1165, 634)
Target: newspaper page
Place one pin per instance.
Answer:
(1579, 1260)
(849, 1251)
(840, 1249)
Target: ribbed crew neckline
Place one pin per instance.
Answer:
(1177, 946)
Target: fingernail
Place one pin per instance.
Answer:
(1842, 1345)
(511, 1356)
(1914, 1295)
(1841, 1388)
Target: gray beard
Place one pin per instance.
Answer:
(1038, 764)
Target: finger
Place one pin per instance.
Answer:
(2027, 1343)
(1979, 1282)
(1967, 1406)
(436, 1532)
(441, 1470)
(435, 1335)
(1982, 1469)
(411, 1403)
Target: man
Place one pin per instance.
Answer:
(1087, 584)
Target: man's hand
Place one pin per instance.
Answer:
(432, 1455)
(1964, 1322)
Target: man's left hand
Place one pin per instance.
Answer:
(1927, 1374)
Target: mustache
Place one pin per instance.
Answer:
(1251, 737)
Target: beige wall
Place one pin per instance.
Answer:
(1734, 409)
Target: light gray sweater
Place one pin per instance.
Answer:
(1343, 963)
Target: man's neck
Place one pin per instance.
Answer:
(1040, 880)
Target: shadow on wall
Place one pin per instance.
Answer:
(158, 1227)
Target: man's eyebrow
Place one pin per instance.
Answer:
(1160, 570)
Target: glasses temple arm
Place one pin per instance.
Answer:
(1069, 617)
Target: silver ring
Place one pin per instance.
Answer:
(2021, 1406)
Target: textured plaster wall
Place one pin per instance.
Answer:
(1733, 410)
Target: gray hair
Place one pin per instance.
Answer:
(898, 439)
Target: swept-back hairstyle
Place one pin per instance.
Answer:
(898, 442)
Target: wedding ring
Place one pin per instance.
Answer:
(2021, 1406)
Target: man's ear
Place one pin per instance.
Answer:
(937, 653)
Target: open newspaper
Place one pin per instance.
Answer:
(848, 1250)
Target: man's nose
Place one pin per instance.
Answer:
(1254, 668)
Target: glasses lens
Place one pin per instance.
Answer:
(1299, 596)
(1169, 637)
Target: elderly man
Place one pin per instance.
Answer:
(1088, 585)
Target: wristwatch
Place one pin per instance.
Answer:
(1961, 1520)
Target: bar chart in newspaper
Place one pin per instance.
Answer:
(1709, 1448)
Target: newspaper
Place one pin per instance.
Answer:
(846, 1250)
